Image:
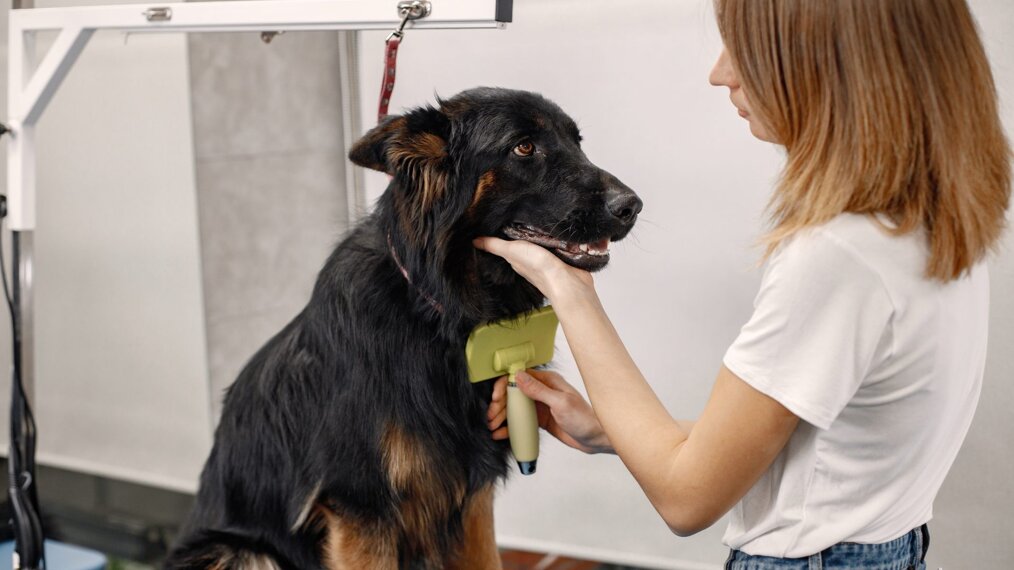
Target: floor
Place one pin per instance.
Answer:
(520, 560)
(134, 523)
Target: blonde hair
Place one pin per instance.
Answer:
(883, 106)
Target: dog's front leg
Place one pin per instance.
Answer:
(479, 551)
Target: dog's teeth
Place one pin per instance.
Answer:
(584, 247)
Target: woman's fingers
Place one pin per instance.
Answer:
(540, 267)
(533, 262)
(553, 380)
(493, 245)
(561, 409)
(500, 390)
(498, 419)
(515, 250)
(538, 391)
(498, 401)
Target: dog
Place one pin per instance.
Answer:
(353, 438)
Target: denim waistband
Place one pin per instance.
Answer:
(907, 552)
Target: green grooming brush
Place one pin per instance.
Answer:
(507, 347)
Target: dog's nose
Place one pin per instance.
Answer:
(622, 203)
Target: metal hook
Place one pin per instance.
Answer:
(410, 10)
(266, 37)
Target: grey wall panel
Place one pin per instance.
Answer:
(270, 182)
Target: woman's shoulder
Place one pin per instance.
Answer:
(845, 238)
(858, 241)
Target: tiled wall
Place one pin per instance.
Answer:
(270, 183)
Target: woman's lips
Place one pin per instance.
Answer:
(743, 113)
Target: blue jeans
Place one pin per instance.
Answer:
(905, 553)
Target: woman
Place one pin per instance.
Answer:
(842, 404)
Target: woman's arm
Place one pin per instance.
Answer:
(691, 477)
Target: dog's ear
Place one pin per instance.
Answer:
(370, 151)
(401, 139)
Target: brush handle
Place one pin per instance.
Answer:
(523, 425)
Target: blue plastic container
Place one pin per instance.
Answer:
(59, 556)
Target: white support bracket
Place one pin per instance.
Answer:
(29, 92)
(51, 71)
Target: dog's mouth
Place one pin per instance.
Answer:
(589, 256)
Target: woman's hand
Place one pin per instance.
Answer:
(554, 278)
(562, 411)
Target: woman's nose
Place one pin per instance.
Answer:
(723, 73)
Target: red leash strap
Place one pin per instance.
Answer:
(390, 67)
(408, 10)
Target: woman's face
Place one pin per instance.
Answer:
(724, 74)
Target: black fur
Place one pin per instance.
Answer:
(372, 350)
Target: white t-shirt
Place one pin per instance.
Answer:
(884, 368)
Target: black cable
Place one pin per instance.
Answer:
(22, 490)
(28, 532)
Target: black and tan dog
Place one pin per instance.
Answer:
(353, 438)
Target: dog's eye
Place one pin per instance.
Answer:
(524, 149)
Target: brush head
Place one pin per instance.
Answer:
(492, 348)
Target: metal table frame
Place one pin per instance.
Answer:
(30, 90)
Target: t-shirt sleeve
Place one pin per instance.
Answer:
(818, 320)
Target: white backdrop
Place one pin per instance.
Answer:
(121, 370)
(634, 76)
(128, 402)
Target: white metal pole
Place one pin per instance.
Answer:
(20, 143)
(348, 56)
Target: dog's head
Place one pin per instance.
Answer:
(494, 162)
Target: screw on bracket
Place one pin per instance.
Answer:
(160, 14)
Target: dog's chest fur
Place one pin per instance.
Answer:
(358, 413)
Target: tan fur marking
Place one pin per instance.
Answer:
(479, 549)
(349, 546)
(429, 145)
(404, 459)
(221, 558)
(486, 181)
(420, 156)
(253, 562)
(426, 500)
(221, 564)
